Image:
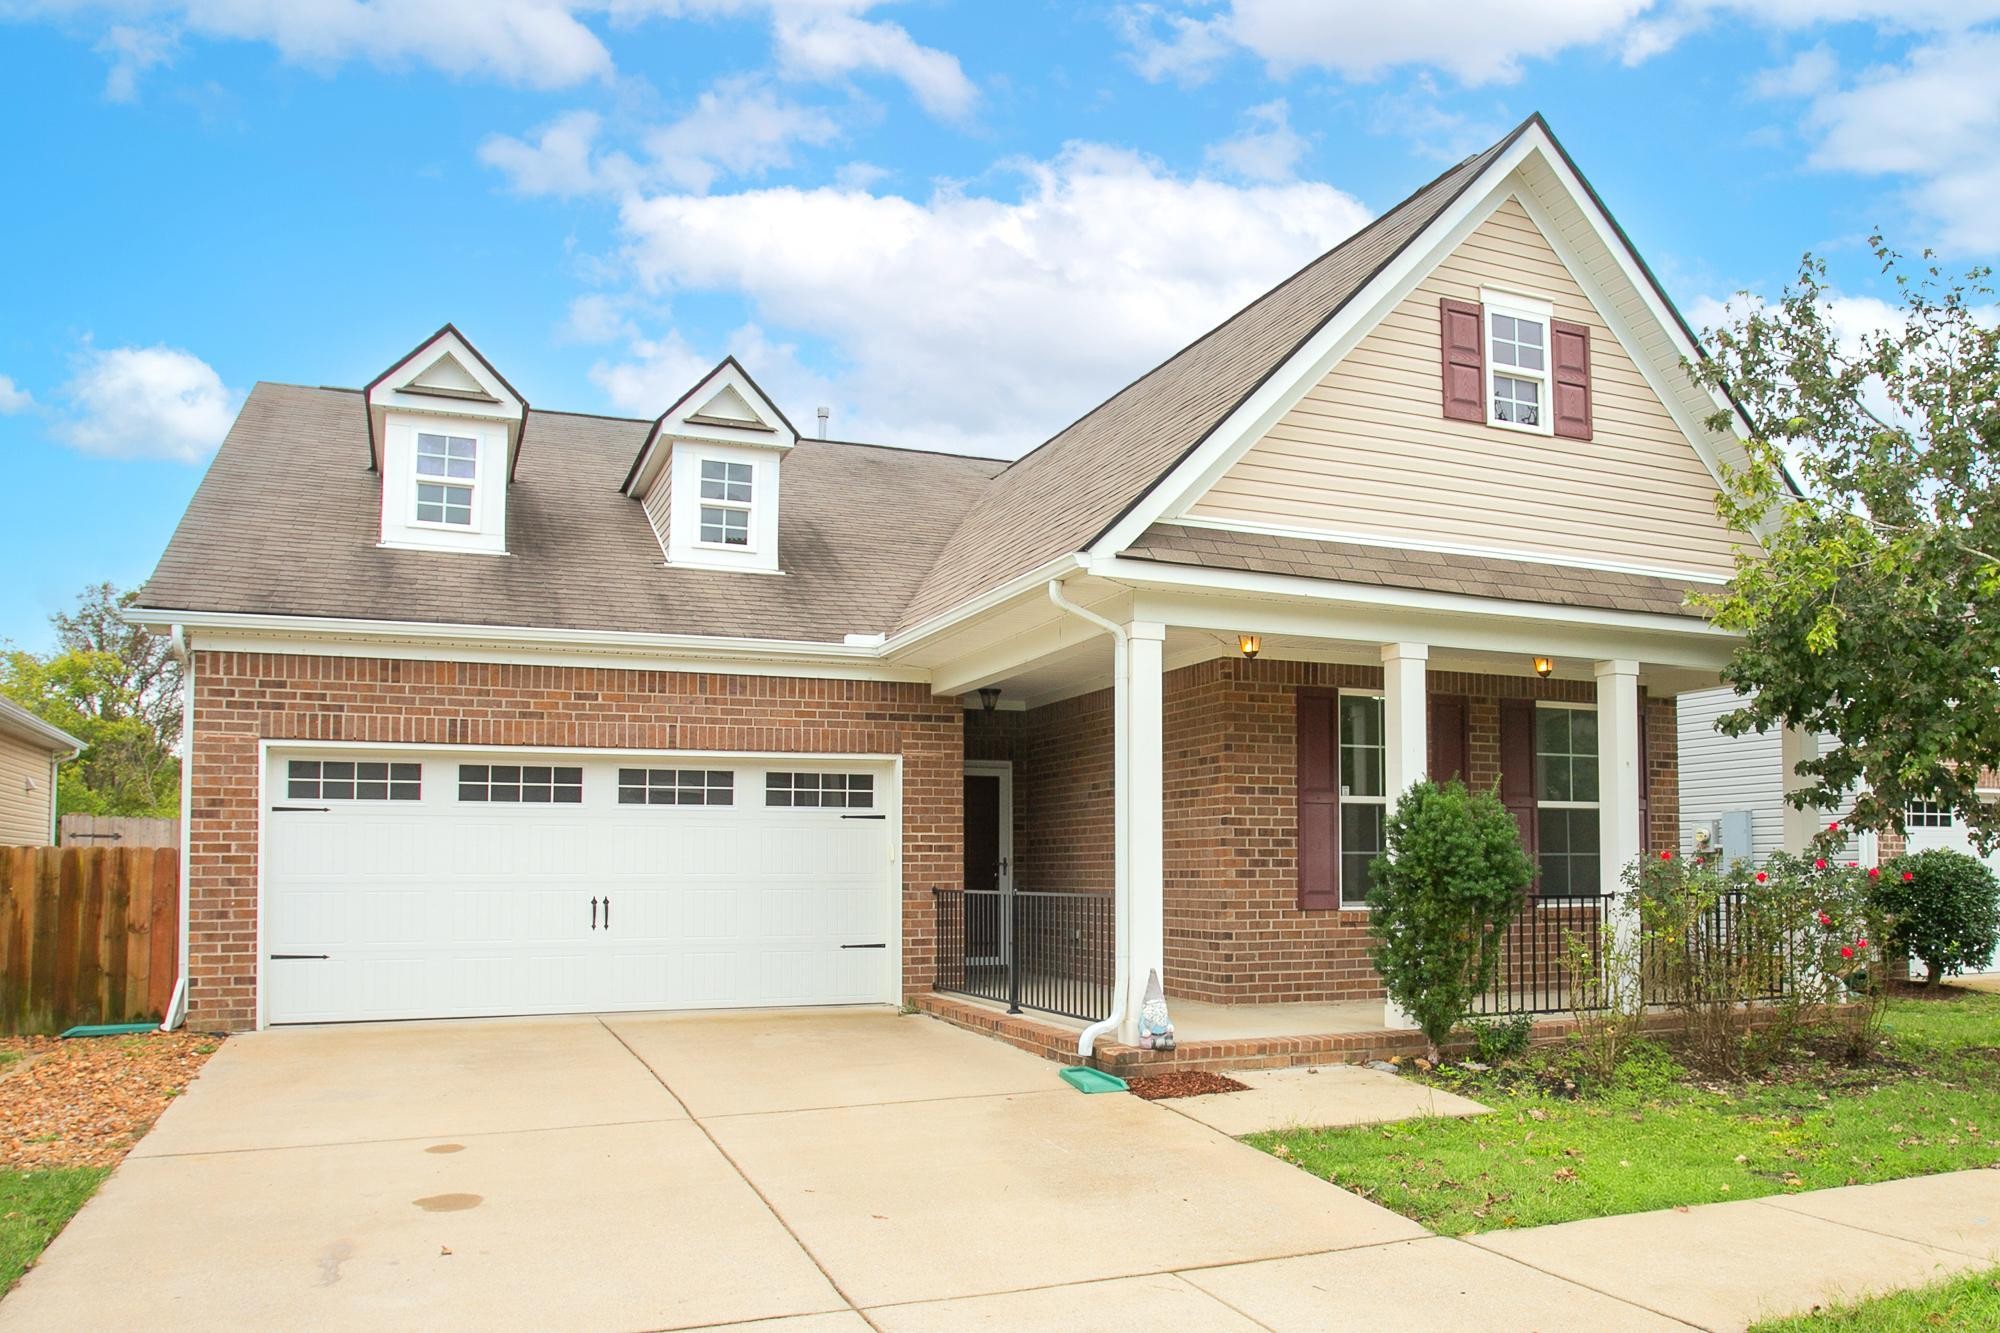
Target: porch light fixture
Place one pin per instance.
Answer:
(1544, 666)
(989, 698)
(1249, 644)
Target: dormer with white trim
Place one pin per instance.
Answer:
(444, 433)
(708, 475)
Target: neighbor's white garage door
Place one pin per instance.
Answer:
(1928, 826)
(453, 884)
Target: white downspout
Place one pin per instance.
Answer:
(177, 643)
(1121, 888)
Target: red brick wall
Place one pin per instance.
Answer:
(1235, 933)
(242, 698)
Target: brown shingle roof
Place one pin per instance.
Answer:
(287, 523)
(1401, 567)
(1065, 494)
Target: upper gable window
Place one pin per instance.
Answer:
(447, 470)
(1518, 363)
(726, 496)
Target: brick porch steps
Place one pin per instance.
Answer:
(1054, 1041)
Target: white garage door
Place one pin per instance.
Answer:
(1927, 826)
(457, 884)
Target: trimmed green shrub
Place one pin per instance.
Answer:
(1496, 1040)
(1453, 876)
(1943, 907)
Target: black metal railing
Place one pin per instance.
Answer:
(1536, 973)
(1051, 952)
(1551, 957)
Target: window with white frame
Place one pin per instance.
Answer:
(676, 786)
(1517, 367)
(842, 791)
(352, 780)
(1566, 800)
(1364, 801)
(521, 784)
(447, 470)
(725, 502)
(1927, 814)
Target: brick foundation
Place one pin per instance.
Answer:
(244, 698)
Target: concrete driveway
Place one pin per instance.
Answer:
(831, 1170)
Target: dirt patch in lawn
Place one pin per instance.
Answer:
(86, 1102)
(1193, 1083)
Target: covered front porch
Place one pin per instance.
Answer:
(1190, 781)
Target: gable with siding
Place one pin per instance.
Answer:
(1369, 454)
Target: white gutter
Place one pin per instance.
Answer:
(177, 644)
(1121, 888)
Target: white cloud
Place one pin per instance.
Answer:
(814, 44)
(1269, 150)
(147, 402)
(13, 398)
(132, 51)
(1934, 120)
(967, 321)
(739, 127)
(1809, 72)
(1481, 43)
(599, 317)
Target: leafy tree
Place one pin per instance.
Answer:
(1942, 906)
(1871, 614)
(1453, 876)
(117, 689)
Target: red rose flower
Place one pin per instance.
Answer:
(1909, 875)
(1761, 877)
(1819, 865)
(1861, 943)
(1846, 952)
(1834, 827)
(1874, 872)
(1666, 856)
(1825, 920)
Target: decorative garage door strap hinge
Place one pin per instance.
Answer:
(285, 957)
(864, 816)
(301, 809)
(864, 946)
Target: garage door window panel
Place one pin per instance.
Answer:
(521, 784)
(352, 780)
(676, 786)
(820, 791)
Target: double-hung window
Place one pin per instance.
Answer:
(1566, 800)
(1517, 367)
(447, 471)
(1363, 792)
(725, 502)
(1927, 814)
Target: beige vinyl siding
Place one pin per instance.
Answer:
(659, 502)
(24, 814)
(1369, 453)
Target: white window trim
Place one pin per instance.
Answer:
(1493, 303)
(1340, 859)
(1603, 891)
(748, 508)
(469, 484)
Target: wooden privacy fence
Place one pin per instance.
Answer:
(87, 935)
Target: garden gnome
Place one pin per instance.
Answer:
(1156, 1030)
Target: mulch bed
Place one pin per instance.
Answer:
(1194, 1083)
(86, 1102)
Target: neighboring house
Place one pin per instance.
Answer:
(506, 710)
(30, 753)
(1734, 788)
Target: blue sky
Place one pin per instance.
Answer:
(957, 225)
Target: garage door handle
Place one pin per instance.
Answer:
(593, 914)
(607, 911)
(864, 946)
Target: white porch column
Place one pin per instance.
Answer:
(1145, 814)
(1404, 709)
(1799, 825)
(1619, 838)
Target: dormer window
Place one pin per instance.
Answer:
(447, 467)
(726, 489)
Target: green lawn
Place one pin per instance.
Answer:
(34, 1206)
(1658, 1138)
(1971, 1302)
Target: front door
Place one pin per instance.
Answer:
(988, 853)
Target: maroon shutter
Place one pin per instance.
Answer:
(1517, 766)
(1462, 348)
(1319, 803)
(1645, 784)
(1569, 364)
(1448, 742)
